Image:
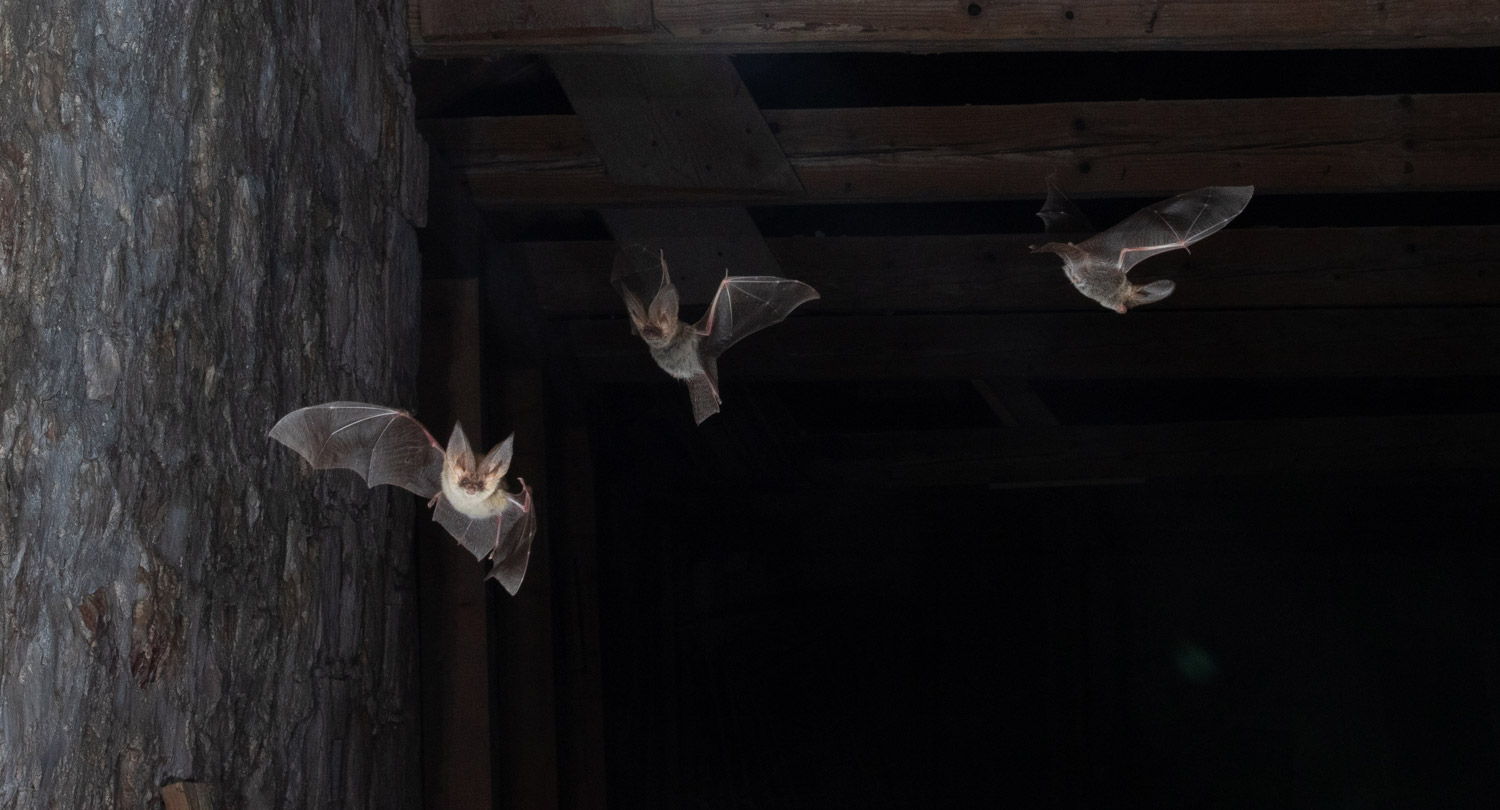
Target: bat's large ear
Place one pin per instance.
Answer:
(664, 305)
(1150, 293)
(498, 458)
(458, 450)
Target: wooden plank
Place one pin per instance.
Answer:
(1014, 402)
(741, 26)
(457, 243)
(675, 122)
(453, 625)
(526, 739)
(1239, 268)
(580, 677)
(1160, 344)
(524, 20)
(1032, 456)
(1279, 145)
(187, 796)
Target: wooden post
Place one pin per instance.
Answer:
(455, 666)
(187, 796)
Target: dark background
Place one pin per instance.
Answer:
(778, 633)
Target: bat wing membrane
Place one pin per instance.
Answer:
(504, 537)
(384, 445)
(1059, 214)
(745, 305)
(1168, 225)
(518, 527)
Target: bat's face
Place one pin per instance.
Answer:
(658, 331)
(466, 477)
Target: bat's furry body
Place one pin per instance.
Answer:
(1098, 266)
(677, 351)
(689, 352)
(389, 446)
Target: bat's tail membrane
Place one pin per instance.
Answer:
(704, 393)
(1150, 293)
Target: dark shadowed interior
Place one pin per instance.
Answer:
(1236, 549)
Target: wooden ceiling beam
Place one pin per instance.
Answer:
(674, 122)
(446, 28)
(896, 154)
(1239, 268)
(1074, 455)
(1085, 345)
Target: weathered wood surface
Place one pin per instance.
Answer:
(206, 221)
(1239, 268)
(527, 19)
(454, 27)
(1146, 344)
(675, 122)
(892, 154)
(1077, 454)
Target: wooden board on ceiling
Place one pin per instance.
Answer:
(468, 27)
(894, 154)
(1144, 344)
(674, 122)
(1238, 268)
(523, 20)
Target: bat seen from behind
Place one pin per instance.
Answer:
(690, 352)
(1097, 266)
(389, 446)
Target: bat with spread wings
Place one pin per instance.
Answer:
(690, 352)
(389, 446)
(1097, 266)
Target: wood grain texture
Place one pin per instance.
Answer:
(893, 154)
(1239, 268)
(198, 234)
(674, 122)
(1145, 344)
(1039, 456)
(527, 19)
(740, 26)
(187, 796)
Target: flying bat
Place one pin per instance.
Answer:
(690, 352)
(389, 446)
(1097, 266)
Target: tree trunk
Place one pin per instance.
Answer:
(206, 220)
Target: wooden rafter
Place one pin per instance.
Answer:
(443, 28)
(1160, 344)
(675, 122)
(890, 154)
(1240, 268)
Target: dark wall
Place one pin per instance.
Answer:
(206, 220)
(1278, 641)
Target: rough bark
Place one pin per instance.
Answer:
(206, 219)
